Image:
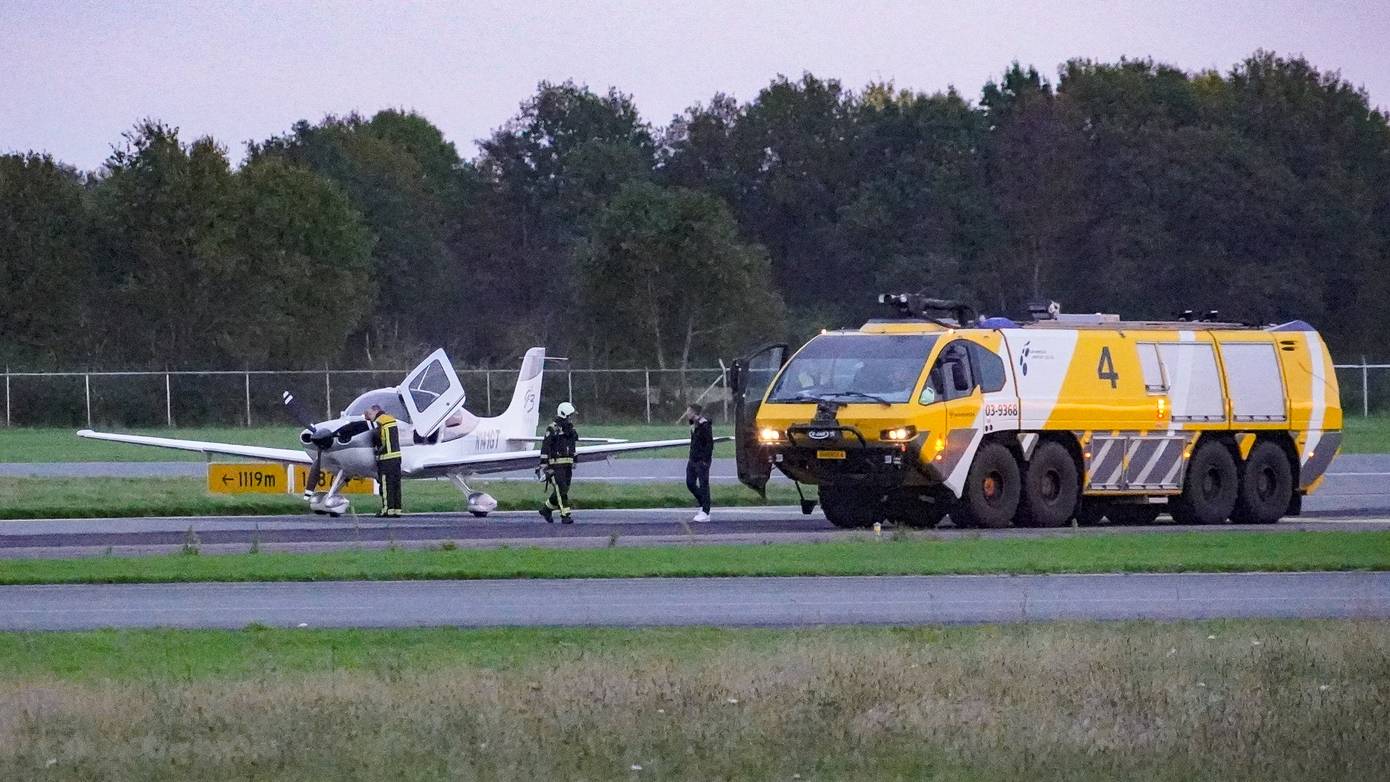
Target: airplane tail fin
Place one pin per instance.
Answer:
(523, 414)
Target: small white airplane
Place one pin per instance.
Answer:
(439, 438)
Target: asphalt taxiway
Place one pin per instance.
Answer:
(700, 601)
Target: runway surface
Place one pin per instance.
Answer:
(50, 538)
(705, 601)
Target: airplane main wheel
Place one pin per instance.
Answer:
(851, 507)
(1050, 487)
(992, 489)
(1210, 491)
(1266, 485)
(482, 514)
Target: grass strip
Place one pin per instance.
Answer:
(904, 554)
(1221, 700)
(62, 498)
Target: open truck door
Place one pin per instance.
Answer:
(749, 379)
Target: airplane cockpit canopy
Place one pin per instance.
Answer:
(386, 398)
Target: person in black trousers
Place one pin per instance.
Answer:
(557, 463)
(701, 454)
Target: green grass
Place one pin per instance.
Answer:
(905, 555)
(44, 444)
(1221, 700)
(58, 498)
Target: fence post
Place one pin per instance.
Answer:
(248, 400)
(168, 403)
(87, 383)
(648, 396)
(1365, 390)
(7, 395)
(569, 383)
(487, 385)
(724, 387)
(327, 396)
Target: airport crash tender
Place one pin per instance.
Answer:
(1038, 423)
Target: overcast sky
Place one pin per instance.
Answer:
(74, 75)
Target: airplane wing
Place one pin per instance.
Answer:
(283, 455)
(483, 463)
(602, 440)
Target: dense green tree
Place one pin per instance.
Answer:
(551, 167)
(45, 262)
(665, 278)
(305, 262)
(166, 219)
(402, 176)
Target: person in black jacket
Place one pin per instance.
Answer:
(557, 463)
(701, 455)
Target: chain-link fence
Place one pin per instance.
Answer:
(252, 397)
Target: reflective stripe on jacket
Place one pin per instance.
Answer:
(386, 436)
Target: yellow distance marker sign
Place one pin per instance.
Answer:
(354, 486)
(248, 479)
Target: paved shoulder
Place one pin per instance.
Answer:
(712, 601)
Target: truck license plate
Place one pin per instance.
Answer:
(830, 454)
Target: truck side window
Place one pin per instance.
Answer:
(950, 376)
(989, 368)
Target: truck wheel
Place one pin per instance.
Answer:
(849, 507)
(910, 508)
(1209, 493)
(1050, 487)
(1133, 515)
(1266, 485)
(992, 489)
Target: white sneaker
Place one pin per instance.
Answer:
(701, 516)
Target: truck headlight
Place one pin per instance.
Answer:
(900, 434)
(769, 435)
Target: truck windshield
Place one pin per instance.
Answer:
(855, 368)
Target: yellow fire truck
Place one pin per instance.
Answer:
(1036, 423)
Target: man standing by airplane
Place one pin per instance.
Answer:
(557, 463)
(701, 455)
(386, 437)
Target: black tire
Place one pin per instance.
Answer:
(1089, 512)
(1051, 487)
(1210, 490)
(911, 508)
(851, 508)
(992, 489)
(1133, 515)
(1266, 485)
(481, 514)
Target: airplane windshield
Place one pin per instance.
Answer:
(386, 398)
(879, 368)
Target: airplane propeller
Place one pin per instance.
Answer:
(301, 415)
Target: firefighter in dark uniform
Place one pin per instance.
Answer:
(701, 455)
(557, 463)
(386, 436)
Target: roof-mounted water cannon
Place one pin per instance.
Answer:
(918, 305)
(1044, 310)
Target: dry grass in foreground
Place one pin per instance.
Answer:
(1262, 700)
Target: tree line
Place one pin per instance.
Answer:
(1131, 187)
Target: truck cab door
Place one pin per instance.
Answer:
(749, 379)
(431, 393)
